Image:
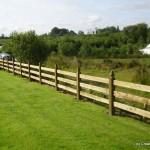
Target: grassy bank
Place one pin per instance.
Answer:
(35, 117)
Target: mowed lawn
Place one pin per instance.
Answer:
(36, 117)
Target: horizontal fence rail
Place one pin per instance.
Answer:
(98, 89)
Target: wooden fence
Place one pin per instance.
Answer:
(99, 89)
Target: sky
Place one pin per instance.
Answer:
(86, 15)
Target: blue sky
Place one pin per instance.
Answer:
(43, 15)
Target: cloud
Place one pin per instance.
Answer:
(94, 19)
(136, 6)
(43, 15)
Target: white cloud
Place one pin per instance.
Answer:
(42, 15)
(94, 19)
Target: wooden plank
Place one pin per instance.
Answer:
(24, 65)
(95, 88)
(94, 97)
(34, 72)
(129, 85)
(10, 62)
(132, 109)
(34, 67)
(10, 70)
(5, 68)
(24, 74)
(18, 68)
(24, 69)
(16, 63)
(67, 88)
(132, 98)
(5, 61)
(67, 81)
(48, 82)
(93, 78)
(67, 73)
(47, 76)
(35, 78)
(10, 66)
(48, 69)
(17, 72)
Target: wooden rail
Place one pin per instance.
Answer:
(99, 89)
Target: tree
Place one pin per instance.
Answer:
(80, 33)
(61, 32)
(136, 33)
(68, 48)
(27, 47)
(85, 50)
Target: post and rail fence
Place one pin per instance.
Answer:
(102, 90)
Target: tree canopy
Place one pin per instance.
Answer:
(109, 42)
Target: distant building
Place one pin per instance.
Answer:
(146, 50)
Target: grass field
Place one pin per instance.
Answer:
(36, 117)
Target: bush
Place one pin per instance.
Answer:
(27, 47)
(133, 63)
(142, 75)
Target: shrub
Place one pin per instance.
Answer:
(142, 75)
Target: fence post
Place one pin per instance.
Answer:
(13, 67)
(78, 81)
(111, 93)
(20, 68)
(145, 108)
(3, 64)
(8, 65)
(56, 77)
(40, 79)
(29, 71)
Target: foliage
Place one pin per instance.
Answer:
(61, 32)
(109, 42)
(142, 75)
(27, 47)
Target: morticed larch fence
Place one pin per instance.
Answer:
(118, 95)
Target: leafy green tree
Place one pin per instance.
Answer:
(68, 48)
(27, 47)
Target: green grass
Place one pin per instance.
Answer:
(35, 117)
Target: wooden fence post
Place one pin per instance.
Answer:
(78, 81)
(3, 64)
(13, 67)
(145, 108)
(29, 71)
(40, 79)
(8, 65)
(56, 77)
(20, 68)
(111, 93)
